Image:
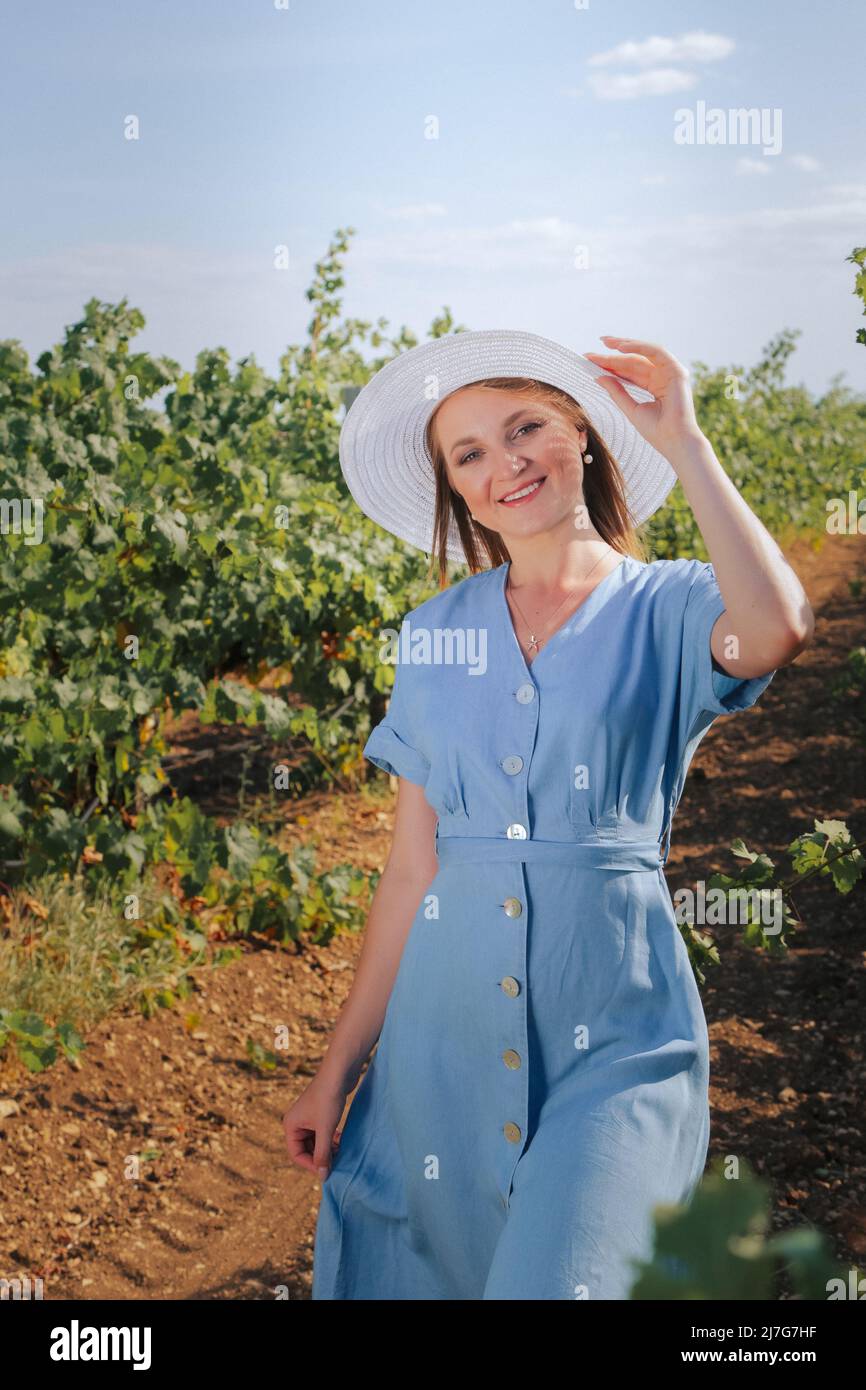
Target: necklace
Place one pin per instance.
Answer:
(535, 642)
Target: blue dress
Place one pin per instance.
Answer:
(540, 1079)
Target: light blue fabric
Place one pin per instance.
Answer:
(577, 1022)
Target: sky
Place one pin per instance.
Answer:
(520, 162)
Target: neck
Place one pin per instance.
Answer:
(557, 564)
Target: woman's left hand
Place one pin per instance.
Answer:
(668, 421)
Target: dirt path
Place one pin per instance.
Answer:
(216, 1210)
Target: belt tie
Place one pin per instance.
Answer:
(620, 855)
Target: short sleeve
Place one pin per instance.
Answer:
(703, 688)
(392, 743)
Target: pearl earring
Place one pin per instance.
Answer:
(587, 458)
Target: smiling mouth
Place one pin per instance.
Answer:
(523, 494)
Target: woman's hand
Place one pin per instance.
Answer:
(310, 1127)
(668, 421)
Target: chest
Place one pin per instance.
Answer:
(591, 711)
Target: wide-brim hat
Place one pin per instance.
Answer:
(385, 461)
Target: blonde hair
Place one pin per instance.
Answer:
(603, 488)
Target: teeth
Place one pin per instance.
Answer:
(523, 491)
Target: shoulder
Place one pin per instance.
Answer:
(675, 580)
(672, 572)
(446, 622)
(458, 601)
(679, 595)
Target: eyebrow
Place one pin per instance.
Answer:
(471, 439)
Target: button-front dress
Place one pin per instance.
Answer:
(540, 1079)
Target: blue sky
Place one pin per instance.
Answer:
(554, 198)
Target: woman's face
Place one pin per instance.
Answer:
(515, 462)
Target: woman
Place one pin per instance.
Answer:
(540, 1080)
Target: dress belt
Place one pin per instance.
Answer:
(620, 855)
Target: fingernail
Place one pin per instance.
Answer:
(323, 1173)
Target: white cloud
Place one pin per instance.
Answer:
(805, 162)
(655, 179)
(626, 86)
(203, 283)
(546, 245)
(842, 215)
(752, 166)
(192, 297)
(696, 47)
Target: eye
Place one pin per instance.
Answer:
(530, 425)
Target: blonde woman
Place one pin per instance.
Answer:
(541, 1074)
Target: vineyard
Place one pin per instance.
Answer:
(190, 605)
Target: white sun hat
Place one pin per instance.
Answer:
(382, 451)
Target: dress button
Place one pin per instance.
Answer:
(513, 907)
(510, 986)
(516, 831)
(511, 1059)
(512, 765)
(512, 1132)
(525, 693)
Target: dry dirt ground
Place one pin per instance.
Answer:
(218, 1212)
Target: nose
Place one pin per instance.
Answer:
(511, 464)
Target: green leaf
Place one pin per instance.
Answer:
(172, 526)
(243, 849)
